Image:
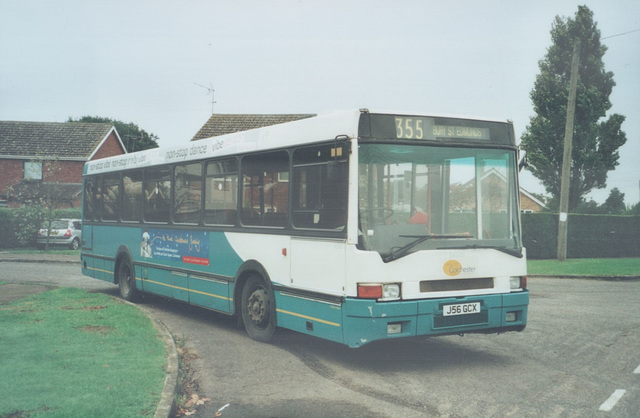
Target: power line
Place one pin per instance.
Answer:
(620, 34)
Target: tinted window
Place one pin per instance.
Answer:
(188, 193)
(221, 193)
(88, 202)
(132, 196)
(110, 197)
(157, 193)
(320, 180)
(265, 189)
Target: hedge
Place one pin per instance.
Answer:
(588, 236)
(18, 227)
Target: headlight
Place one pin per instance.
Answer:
(391, 291)
(517, 282)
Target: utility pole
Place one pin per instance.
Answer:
(566, 156)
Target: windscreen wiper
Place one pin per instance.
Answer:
(399, 252)
(510, 251)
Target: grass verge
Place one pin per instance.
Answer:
(67, 352)
(52, 250)
(597, 267)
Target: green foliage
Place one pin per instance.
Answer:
(540, 234)
(596, 140)
(18, 227)
(614, 203)
(73, 213)
(589, 236)
(134, 138)
(27, 221)
(7, 229)
(634, 210)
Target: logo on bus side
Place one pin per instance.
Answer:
(453, 268)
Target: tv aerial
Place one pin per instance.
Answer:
(210, 91)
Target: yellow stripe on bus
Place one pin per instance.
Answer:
(101, 270)
(335, 324)
(185, 289)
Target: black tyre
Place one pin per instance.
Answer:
(126, 277)
(258, 309)
(75, 244)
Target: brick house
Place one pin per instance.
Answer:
(529, 203)
(38, 154)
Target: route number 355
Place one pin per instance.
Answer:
(409, 128)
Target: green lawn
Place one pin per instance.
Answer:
(52, 250)
(586, 267)
(67, 352)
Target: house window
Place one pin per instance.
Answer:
(33, 170)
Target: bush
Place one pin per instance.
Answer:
(74, 213)
(588, 236)
(7, 230)
(18, 227)
(27, 221)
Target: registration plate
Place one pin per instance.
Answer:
(461, 309)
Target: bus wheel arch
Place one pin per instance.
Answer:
(125, 276)
(254, 302)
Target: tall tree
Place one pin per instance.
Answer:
(134, 138)
(596, 139)
(614, 203)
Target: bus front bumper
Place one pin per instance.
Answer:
(365, 321)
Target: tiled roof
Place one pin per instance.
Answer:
(75, 140)
(221, 124)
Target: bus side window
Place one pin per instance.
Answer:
(320, 183)
(132, 196)
(89, 196)
(188, 193)
(157, 192)
(111, 197)
(265, 189)
(221, 193)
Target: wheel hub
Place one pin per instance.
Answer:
(257, 304)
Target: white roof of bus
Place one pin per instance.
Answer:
(319, 128)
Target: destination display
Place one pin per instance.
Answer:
(385, 127)
(425, 128)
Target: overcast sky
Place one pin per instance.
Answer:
(146, 61)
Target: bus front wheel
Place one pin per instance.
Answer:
(258, 309)
(127, 280)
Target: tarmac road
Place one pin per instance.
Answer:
(579, 356)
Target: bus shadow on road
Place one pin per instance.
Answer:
(397, 355)
(394, 355)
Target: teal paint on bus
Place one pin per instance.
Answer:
(309, 316)
(183, 280)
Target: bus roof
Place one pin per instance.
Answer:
(325, 126)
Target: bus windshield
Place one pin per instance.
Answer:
(417, 197)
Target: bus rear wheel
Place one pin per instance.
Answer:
(125, 274)
(258, 309)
